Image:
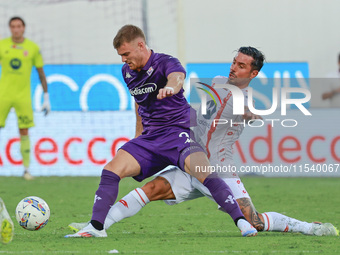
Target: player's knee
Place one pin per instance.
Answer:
(23, 131)
(157, 189)
(151, 190)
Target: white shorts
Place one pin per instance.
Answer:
(185, 187)
(180, 183)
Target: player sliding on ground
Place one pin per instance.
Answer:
(155, 80)
(174, 186)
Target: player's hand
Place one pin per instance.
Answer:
(46, 106)
(165, 92)
(249, 116)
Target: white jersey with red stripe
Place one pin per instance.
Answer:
(219, 129)
(218, 140)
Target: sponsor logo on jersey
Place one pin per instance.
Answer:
(128, 75)
(14, 46)
(15, 63)
(25, 53)
(203, 123)
(146, 88)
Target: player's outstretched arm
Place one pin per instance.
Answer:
(46, 107)
(174, 85)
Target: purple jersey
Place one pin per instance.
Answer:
(144, 87)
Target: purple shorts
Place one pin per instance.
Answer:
(158, 149)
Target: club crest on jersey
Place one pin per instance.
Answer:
(143, 89)
(150, 71)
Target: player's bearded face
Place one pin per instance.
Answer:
(241, 71)
(132, 55)
(17, 29)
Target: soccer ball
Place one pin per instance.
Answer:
(32, 213)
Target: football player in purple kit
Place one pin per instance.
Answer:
(162, 132)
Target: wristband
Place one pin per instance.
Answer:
(46, 96)
(170, 88)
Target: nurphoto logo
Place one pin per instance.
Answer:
(281, 95)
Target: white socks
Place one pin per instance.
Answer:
(128, 206)
(274, 221)
(133, 202)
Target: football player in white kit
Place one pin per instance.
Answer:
(175, 186)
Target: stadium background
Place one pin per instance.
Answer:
(92, 112)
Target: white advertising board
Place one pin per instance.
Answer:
(81, 143)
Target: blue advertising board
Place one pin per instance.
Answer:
(281, 75)
(102, 88)
(83, 88)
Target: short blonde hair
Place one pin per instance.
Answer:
(127, 34)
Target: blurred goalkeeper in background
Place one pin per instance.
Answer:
(17, 56)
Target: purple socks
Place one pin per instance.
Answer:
(223, 196)
(105, 197)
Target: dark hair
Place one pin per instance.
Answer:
(255, 54)
(16, 18)
(127, 34)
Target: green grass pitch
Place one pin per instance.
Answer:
(194, 227)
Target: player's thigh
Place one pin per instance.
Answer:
(123, 164)
(5, 107)
(197, 165)
(24, 112)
